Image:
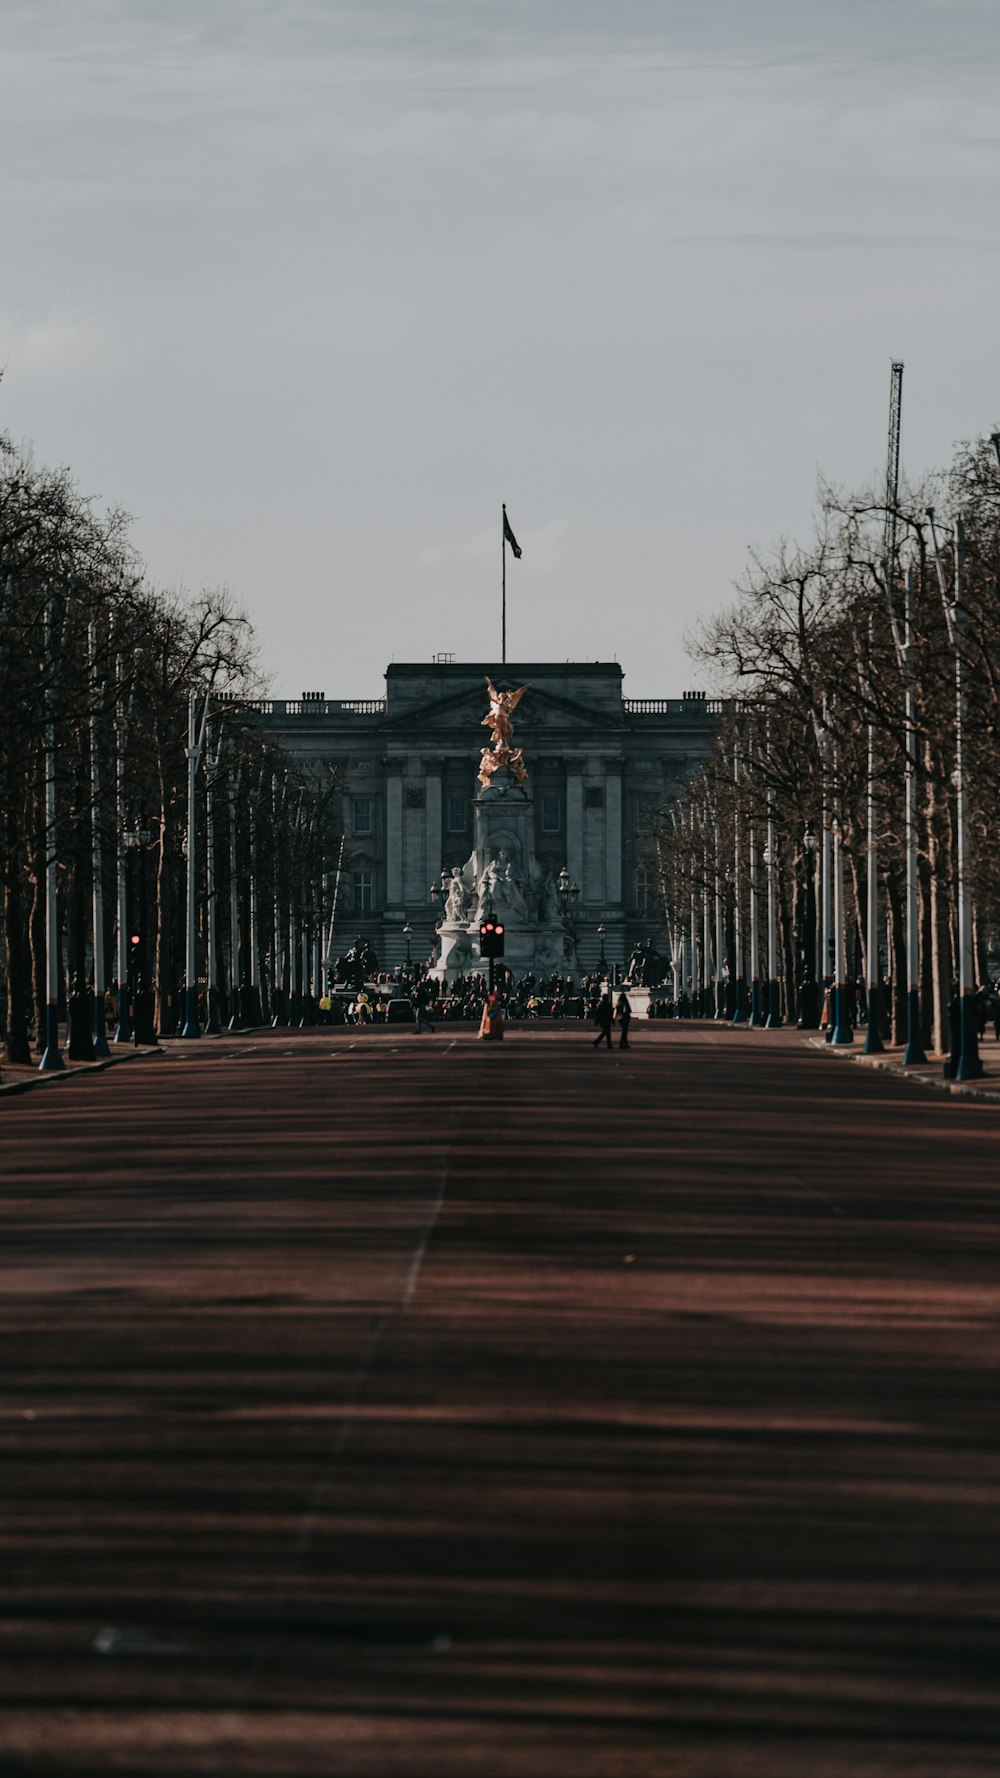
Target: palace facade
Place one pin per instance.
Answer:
(599, 764)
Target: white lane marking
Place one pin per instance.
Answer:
(418, 1258)
(326, 1480)
(838, 1209)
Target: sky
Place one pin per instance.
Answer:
(310, 288)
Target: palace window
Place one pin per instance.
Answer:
(364, 892)
(458, 814)
(551, 813)
(362, 814)
(643, 891)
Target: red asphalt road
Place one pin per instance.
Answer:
(392, 1407)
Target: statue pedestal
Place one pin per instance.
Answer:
(502, 876)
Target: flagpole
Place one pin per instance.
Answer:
(503, 585)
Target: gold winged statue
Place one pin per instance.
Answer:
(498, 721)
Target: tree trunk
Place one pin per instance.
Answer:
(17, 1047)
(786, 945)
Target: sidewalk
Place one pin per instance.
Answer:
(21, 1077)
(928, 1074)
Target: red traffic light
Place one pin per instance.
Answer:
(135, 938)
(498, 930)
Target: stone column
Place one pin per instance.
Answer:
(433, 837)
(613, 832)
(415, 870)
(574, 824)
(592, 878)
(394, 769)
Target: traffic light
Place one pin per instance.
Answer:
(491, 938)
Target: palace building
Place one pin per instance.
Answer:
(600, 764)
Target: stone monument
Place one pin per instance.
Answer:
(502, 876)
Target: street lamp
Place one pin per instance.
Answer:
(842, 1033)
(136, 841)
(407, 934)
(603, 962)
(568, 892)
(808, 988)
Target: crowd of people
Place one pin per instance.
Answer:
(529, 997)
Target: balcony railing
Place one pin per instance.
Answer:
(282, 707)
(676, 706)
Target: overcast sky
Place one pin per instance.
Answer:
(309, 288)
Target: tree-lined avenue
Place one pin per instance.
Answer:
(383, 1405)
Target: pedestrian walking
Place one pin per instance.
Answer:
(603, 1018)
(423, 1019)
(623, 1013)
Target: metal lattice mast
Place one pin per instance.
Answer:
(892, 464)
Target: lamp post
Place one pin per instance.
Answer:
(808, 1019)
(603, 962)
(568, 892)
(842, 1033)
(143, 1024)
(407, 934)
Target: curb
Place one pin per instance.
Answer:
(85, 1069)
(129, 1054)
(957, 1088)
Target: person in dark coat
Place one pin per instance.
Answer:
(603, 1018)
(623, 1013)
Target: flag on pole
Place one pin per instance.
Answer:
(509, 536)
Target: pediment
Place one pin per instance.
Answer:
(463, 712)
